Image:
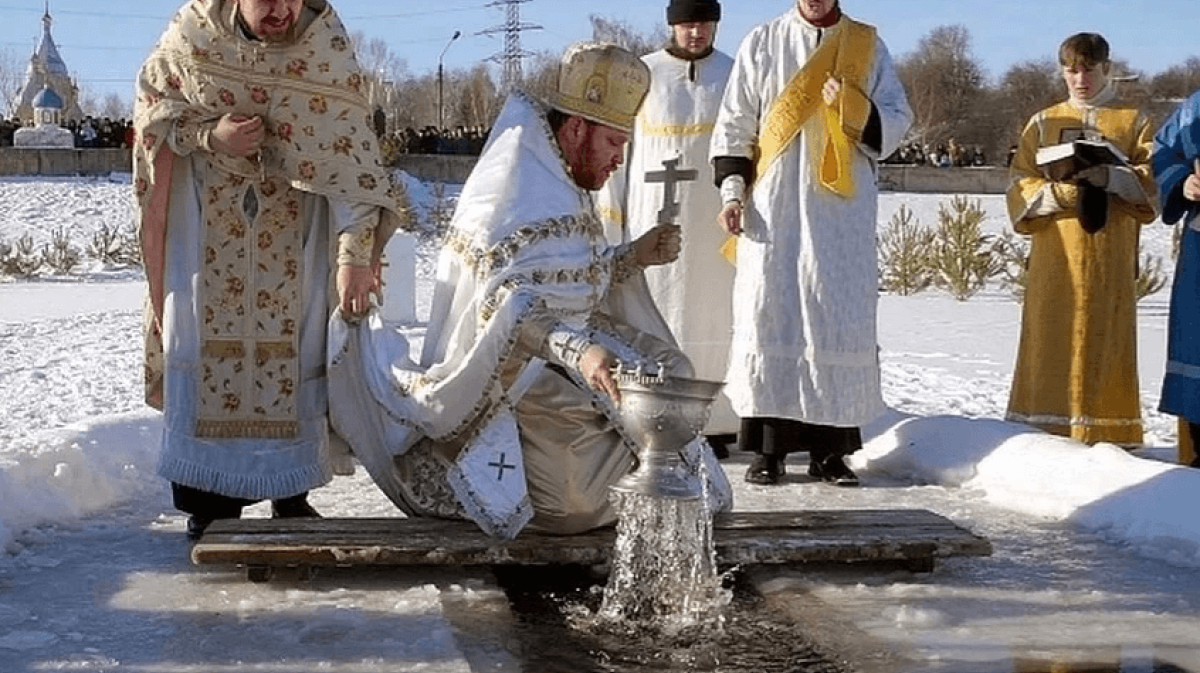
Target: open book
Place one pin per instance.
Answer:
(1063, 161)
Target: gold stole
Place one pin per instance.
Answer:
(802, 98)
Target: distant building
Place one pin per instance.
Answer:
(48, 70)
(47, 112)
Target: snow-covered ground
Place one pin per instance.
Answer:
(1097, 552)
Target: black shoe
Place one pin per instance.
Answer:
(1195, 461)
(832, 470)
(196, 527)
(765, 470)
(296, 507)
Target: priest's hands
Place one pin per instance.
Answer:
(237, 135)
(355, 285)
(660, 245)
(596, 366)
(730, 218)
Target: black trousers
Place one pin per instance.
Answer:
(781, 436)
(205, 505)
(1194, 431)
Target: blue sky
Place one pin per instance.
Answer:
(105, 42)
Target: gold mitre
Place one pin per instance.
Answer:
(602, 83)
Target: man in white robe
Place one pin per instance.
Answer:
(509, 415)
(687, 80)
(258, 182)
(812, 105)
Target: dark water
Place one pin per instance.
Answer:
(553, 634)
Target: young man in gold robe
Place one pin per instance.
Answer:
(1076, 372)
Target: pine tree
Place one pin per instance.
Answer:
(904, 254)
(962, 257)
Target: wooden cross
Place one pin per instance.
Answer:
(501, 466)
(670, 177)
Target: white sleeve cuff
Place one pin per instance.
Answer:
(733, 188)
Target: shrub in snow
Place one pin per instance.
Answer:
(962, 258)
(113, 247)
(19, 260)
(904, 254)
(1150, 278)
(59, 254)
(1013, 254)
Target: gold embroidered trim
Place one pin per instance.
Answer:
(223, 348)
(676, 129)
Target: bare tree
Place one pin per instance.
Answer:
(115, 106)
(477, 99)
(377, 59)
(1177, 82)
(625, 35)
(12, 76)
(1025, 88)
(944, 81)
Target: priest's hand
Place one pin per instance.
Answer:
(596, 366)
(237, 135)
(354, 286)
(831, 91)
(1191, 186)
(730, 218)
(660, 245)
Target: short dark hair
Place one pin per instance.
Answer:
(556, 118)
(1090, 49)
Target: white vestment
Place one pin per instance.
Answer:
(804, 340)
(494, 424)
(693, 293)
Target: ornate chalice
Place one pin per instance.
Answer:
(663, 415)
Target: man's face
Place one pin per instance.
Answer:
(1085, 81)
(695, 37)
(815, 10)
(593, 151)
(270, 20)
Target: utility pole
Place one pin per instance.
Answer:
(510, 58)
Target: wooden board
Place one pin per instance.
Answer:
(912, 537)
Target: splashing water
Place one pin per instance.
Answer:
(664, 575)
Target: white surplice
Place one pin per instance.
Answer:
(694, 292)
(492, 424)
(806, 289)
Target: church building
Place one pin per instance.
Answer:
(47, 70)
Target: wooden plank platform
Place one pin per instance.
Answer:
(911, 537)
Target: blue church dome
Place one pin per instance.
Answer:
(47, 99)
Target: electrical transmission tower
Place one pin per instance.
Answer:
(510, 58)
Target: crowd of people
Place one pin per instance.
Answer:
(431, 140)
(89, 132)
(949, 155)
(565, 264)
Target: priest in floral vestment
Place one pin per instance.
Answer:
(258, 183)
(687, 80)
(507, 418)
(1177, 170)
(812, 105)
(1076, 372)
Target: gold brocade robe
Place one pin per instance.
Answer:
(1076, 371)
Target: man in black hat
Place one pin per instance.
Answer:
(675, 124)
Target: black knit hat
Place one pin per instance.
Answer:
(693, 11)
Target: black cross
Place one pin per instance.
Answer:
(670, 177)
(501, 466)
